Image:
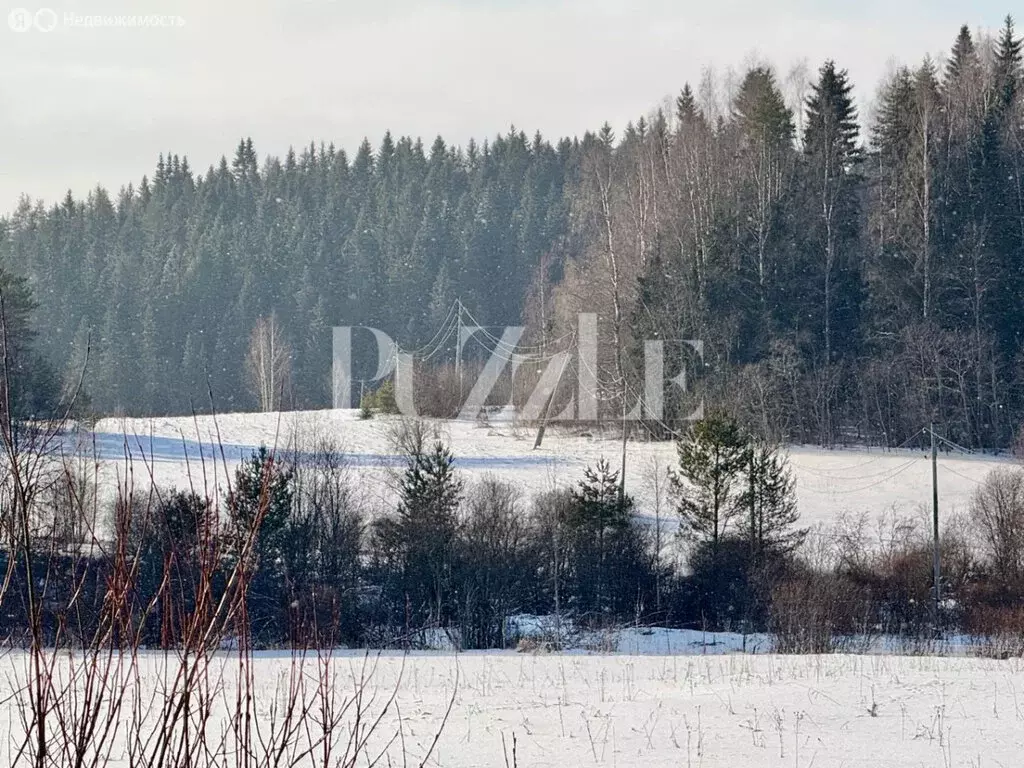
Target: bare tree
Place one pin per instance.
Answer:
(656, 478)
(269, 363)
(498, 560)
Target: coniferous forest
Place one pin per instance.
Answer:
(854, 270)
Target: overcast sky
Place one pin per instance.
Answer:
(81, 106)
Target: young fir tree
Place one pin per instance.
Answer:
(769, 499)
(419, 543)
(599, 523)
(260, 503)
(706, 484)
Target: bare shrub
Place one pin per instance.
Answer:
(440, 390)
(528, 645)
(997, 513)
(86, 695)
(499, 559)
(998, 631)
(816, 613)
(412, 437)
(68, 504)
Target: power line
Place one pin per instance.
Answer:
(892, 474)
(960, 475)
(884, 455)
(849, 478)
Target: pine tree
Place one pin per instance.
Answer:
(712, 457)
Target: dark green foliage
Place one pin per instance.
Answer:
(712, 458)
(417, 547)
(729, 589)
(171, 536)
(1008, 73)
(380, 400)
(769, 499)
(727, 479)
(29, 388)
(760, 110)
(171, 276)
(737, 503)
(260, 504)
(831, 211)
(608, 570)
(260, 507)
(844, 288)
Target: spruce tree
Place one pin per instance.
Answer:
(963, 58)
(686, 107)
(599, 523)
(765, 133)
(419, 543)
(1008, 60)
(29, 387)
(768, 498)
(260, 503)
(832, 156)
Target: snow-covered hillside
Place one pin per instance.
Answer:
(829, 482)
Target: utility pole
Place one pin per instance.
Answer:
(936, 572)
(458, 351)
(625, 435)
(551, 396)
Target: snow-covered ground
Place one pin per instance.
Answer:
(710, 711)
(661, 697)
(829, 482)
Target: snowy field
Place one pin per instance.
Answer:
(660, 697)
(678, 711)
(829, 482)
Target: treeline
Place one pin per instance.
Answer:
(851, 277)
(305, 560)
(165, 281)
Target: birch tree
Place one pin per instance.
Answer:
(268, 363)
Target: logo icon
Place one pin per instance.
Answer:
(20, 20)
(46, 19)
